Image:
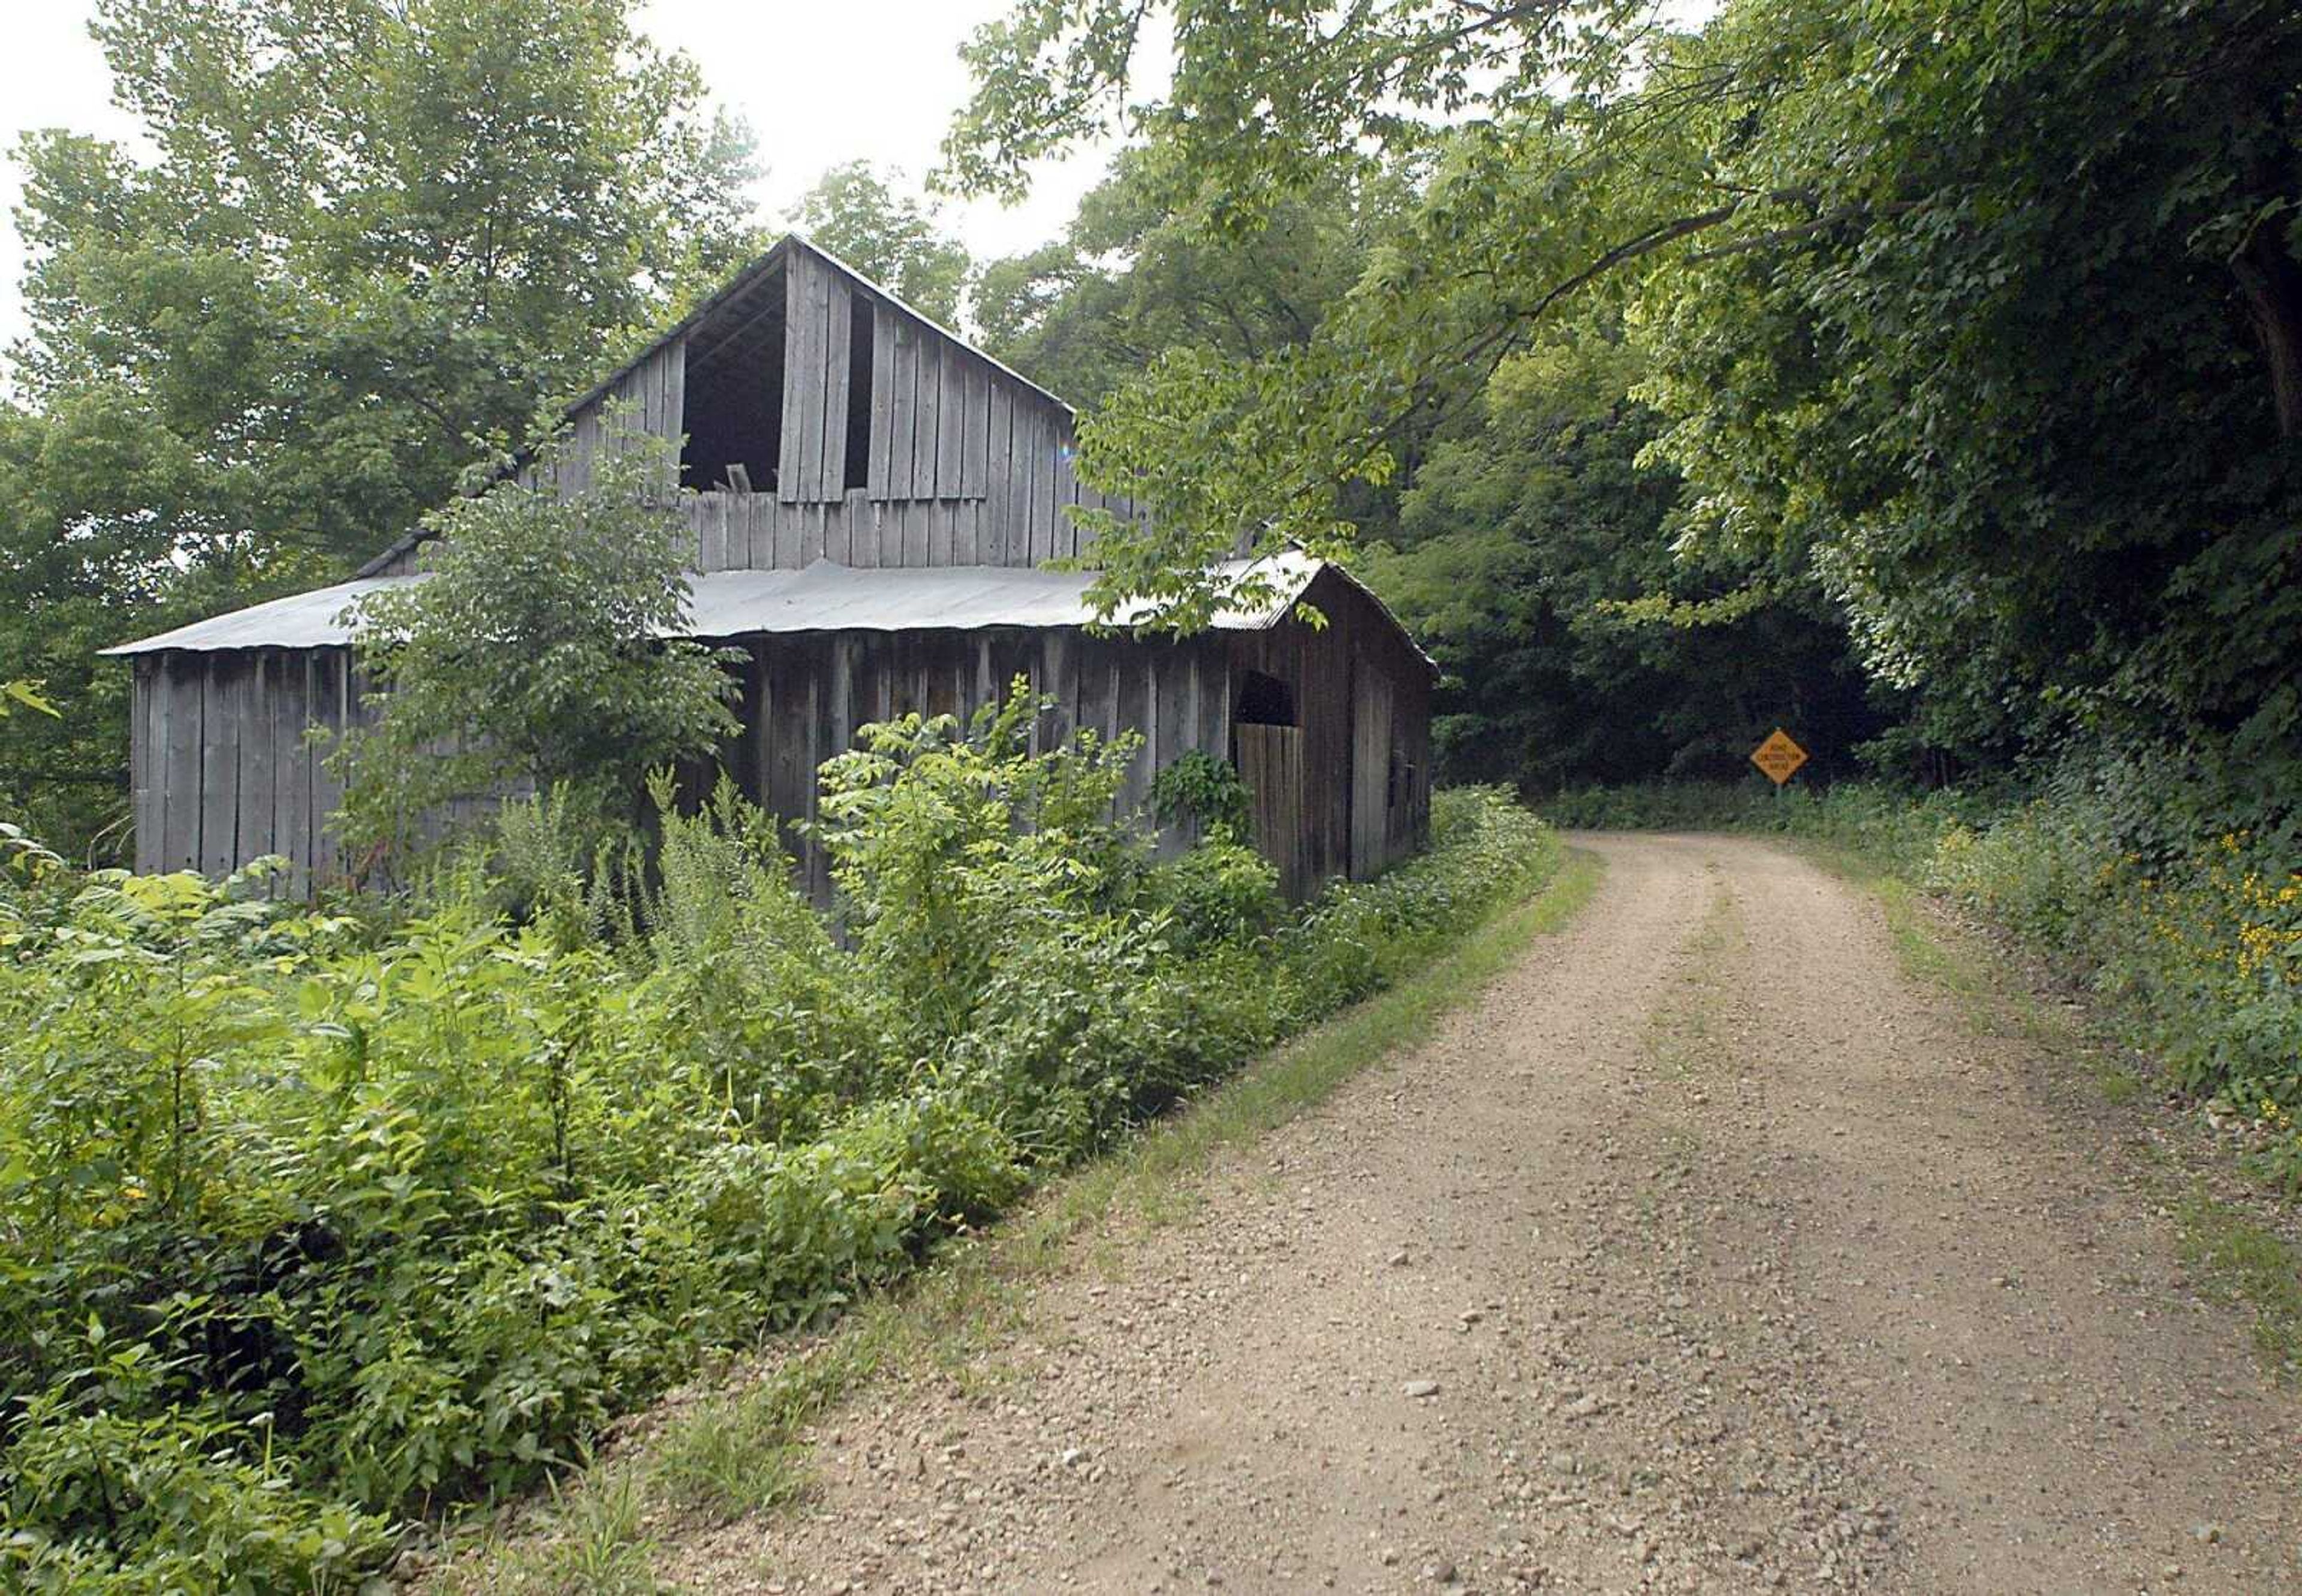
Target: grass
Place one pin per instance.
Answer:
(1681, 1037)
(601, 1548)
(745, 1450)
(2253, 1264)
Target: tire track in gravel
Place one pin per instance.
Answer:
(1701, 1253)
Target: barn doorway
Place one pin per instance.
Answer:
(1268, 749)
(734, 408)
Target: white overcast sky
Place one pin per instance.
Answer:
(791, 68)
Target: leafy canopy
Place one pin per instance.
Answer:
(1988, 316)
(366, 234)
(890, 236)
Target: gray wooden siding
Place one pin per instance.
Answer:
(1345, 792)
(1362, 709)
(222, 770)
(966, 464)
(650, 400)
(804, 697)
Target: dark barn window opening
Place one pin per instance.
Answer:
(734, 393)
(859, 395)
(1264, 700)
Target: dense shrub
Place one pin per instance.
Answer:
(2152, 890)
(311, 1221)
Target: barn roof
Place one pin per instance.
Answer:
(823, 597)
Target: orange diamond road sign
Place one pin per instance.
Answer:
(1778, 757)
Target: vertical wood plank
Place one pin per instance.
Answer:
(941, 531)
(838, 333)
(1214, 699)
(1055, 682)
(179, 682)
(982, 682)
(143, 809)
(950, 423)
(999, 498)
(929, 400)
(1064, 542)
(332, 707)
(915, 530)
(751, 522)
(883, 384)
(1176, 716)
(817, 382)
(791, 466)
(1047, 522)
(1097, 703)
(221, 709)
(903, 401)
(1030, 516)
(292, 779)
(791, 521)
(709, 519)
(966, 534)
(258, 752)
(1131, 711)
(641, 396)
(975, 441)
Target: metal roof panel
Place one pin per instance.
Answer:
(823, 597)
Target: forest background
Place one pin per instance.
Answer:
(1925, 384)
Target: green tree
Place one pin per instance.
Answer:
(1131, 279)
(1989, 317)
(890, 236)
(541, 650)
(1534, 560)
(371, 232)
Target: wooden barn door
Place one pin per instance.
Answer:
(1271, 764)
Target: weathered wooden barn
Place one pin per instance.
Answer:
(872, 501)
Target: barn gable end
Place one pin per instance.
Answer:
(825, 419)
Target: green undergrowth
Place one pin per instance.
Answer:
(741, 1448)
(2254, 1264)
(316, 1224)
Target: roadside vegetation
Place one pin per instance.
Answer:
(743, 1444)
(313, 1221)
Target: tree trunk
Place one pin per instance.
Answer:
(2271, 281)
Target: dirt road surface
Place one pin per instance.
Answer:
(1707, 1251)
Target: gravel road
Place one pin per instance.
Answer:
(1705, 1251)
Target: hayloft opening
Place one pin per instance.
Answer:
(1264, 700)
(734, 391)
(858, 393)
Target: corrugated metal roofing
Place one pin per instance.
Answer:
(823, 597)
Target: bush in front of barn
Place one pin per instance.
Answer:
(313, 1223)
